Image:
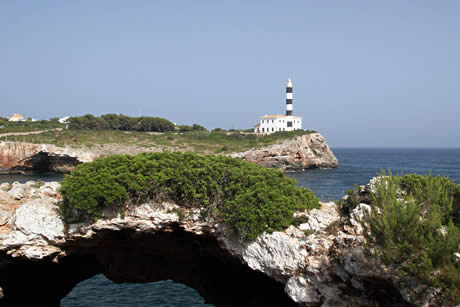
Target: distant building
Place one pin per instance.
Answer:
(63, 120)
(275, 123)
(16, 118)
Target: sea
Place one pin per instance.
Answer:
(357, 166)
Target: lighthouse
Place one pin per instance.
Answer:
(289, 97)
(274, 123)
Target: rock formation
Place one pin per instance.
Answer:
(321, 262)
(16, 156)
(308, 151)
(302, 152)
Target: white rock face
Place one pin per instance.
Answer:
(39, 218)
(17, 190)
(320, 219)
(276, 254)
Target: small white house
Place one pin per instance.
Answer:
(63, 120)
(275, 123)
(16, 118)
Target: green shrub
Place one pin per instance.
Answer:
(414, 221)
(250, 198)
(354, 197)
(121, 122)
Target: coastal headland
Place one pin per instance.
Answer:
(291, 152)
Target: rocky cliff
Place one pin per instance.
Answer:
(17, 156)
(321, 262)
(308, 151)
(302, 152)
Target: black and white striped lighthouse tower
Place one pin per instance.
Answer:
(289, 97)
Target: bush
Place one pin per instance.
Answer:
(194, 128)
(354, 197)
(121, 122)
(250, 198)
(414, 220)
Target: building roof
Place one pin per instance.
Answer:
(277, 116)
(16, 117)
(256, 125)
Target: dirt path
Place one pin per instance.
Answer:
(27, 133)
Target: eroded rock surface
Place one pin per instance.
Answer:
(303, 152)
(325, 265)
(17, 156)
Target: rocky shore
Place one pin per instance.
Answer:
(321, 262)
(302, 152)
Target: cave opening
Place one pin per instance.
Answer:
(127, 256)
(42, 162)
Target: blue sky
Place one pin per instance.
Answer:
(365, 73)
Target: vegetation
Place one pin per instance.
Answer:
(121, 122)
(202, 142)
(250, 198)
(354, 197)
(29, 125)
(415, 219)
(193, 128)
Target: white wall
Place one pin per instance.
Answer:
(271, 125)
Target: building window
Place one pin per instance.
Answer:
(263, 129)
(289, 124)
(273, 129)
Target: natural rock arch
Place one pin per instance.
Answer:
(44, 162)
(42, 259)
(129, 256)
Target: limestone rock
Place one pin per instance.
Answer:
(39, 218)
(320, 219)
(44, 157)
(326, 268)
(302, 152)
(17, 191)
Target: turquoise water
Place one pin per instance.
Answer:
(357, 166)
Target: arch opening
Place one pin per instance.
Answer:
(42, 162)
(134, 257)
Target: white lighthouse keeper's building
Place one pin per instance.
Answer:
(274, 123)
